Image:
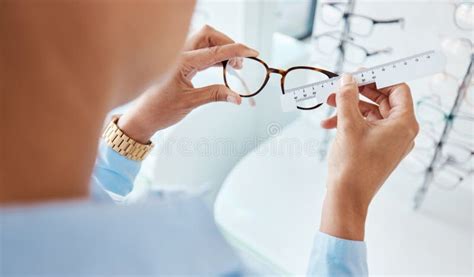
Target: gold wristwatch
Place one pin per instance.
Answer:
(123, 144)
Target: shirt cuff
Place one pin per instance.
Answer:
(114, 172)
(333, 256)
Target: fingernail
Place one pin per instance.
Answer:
(346, 79)
(233, 100)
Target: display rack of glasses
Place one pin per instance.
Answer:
(342, 40)
(447, 134)
(451, 153)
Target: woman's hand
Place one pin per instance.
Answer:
(370, 142)
(171, 101)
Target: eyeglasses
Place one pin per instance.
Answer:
(430, 112)
(447, 129)
(464, 15)
(248, 77)
(332, 13)
(330, 42)
(453, 165)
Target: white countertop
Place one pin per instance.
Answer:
(270, 205)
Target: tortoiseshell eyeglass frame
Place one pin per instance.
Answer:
(283, 74)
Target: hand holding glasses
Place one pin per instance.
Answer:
(248, 77)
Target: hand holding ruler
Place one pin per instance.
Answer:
(384, 75)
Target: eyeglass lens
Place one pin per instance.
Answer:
(329, 44)
(246, 76)
(332, 14)
(300, 77)
(361, 25)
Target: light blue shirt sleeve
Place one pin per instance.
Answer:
(330, 256)
(113, 174)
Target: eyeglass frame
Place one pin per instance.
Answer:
(454, 142)
(350, 40)
(346, 15)
(449, 166)
(462, 90)
(283, 73)
(435, 105)
(445, 162)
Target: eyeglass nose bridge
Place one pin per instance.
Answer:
(277, 71)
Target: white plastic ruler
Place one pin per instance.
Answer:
(384, 75)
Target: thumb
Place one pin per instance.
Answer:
(347, 100)
(215, 93)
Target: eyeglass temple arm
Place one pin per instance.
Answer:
(380, 51)
(400, 20)
(467, 117)
(463, 116)
(336, 4)
(234, 73)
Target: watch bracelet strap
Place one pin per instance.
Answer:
(121, 143)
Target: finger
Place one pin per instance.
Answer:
(329, 123)
(370, 91)
(365, 108)
(207, 37)
(384, 94)
(331, 101)
(236, 63)
(378, 97)
(347, 99)
(232, 63)
(373, 116)
(362, 88)
(399, 98)
(368, 110)
(204, 58)
(214, 93)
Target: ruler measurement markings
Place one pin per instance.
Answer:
(385, 71)
(372, 71)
